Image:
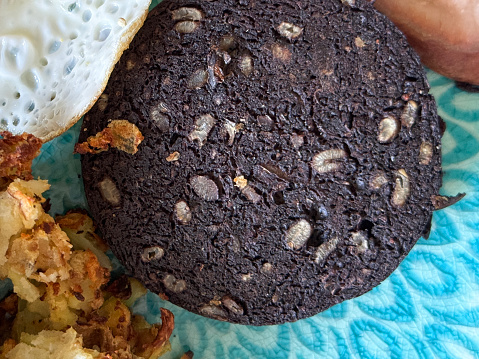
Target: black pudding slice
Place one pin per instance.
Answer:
(291, 151)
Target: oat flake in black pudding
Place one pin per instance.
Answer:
(291, 151)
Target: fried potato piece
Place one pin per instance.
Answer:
(41, 254)
(110, 327)
(61, 304)
(16, 156)
(7, 346)
(59, 272)
(81, 230)
(32, 246)
(187, 355)
(20, 209)
(50, 344)
(119, 134)
(31, 320)
(8, 311)
(152, 341)
(35, 248)
(116, 332)
(128, 289)
(87, 278)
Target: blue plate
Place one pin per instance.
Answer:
(428, 308)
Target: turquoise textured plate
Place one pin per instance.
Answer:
(428, 308)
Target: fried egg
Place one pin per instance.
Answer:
(56, 57)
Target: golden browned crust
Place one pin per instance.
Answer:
(7, 346)
(152, 340)
(16, 156)
(78, 220)
(119, 134)
(116, 332)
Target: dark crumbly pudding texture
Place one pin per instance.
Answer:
(291, 151)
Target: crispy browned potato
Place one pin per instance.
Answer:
(16, 156)
(49, 344)
(7, 346)
(59, 270)
(81, 230)
(119, 134)
(153, 341)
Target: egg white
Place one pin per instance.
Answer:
(56, 57)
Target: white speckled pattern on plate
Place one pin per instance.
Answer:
(428, 308)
